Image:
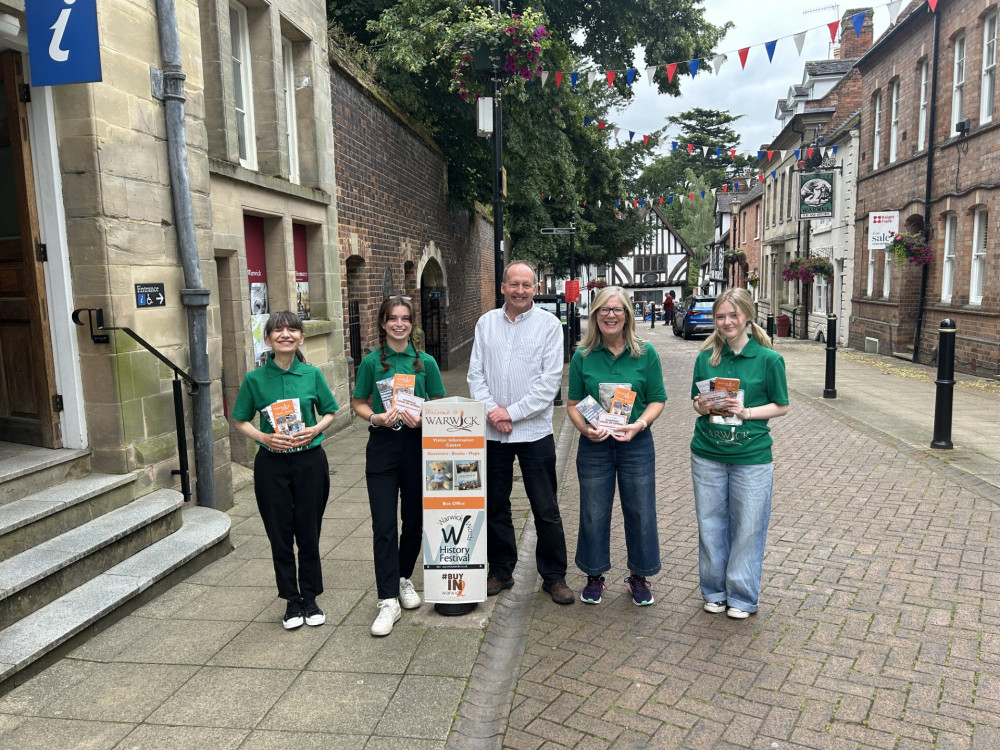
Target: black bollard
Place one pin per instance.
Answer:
(945, 385)
(830, 391)
(770, 325)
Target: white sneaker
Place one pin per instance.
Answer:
(408, 596)
(737, 614)
(388, 615)
(715, 608)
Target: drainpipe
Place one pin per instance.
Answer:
(194, 296)
(928, 179)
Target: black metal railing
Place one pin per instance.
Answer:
(95, 318)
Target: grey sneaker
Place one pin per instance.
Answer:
(408, 596)
(388, 615)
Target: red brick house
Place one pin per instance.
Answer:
(930, 150)
(745, 233)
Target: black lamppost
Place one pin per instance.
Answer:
(497, 180)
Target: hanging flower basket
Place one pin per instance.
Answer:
(910, 248)
(595, 284)
(486, 41)
(734, 256)
(753, 279)
(806, 269)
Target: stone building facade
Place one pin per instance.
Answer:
(930, 150)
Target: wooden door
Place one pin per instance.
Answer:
(27, 410)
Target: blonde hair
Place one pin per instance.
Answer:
(594, 336)
(740, 299)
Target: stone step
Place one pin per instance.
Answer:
(72, 618)
(38, 576)
(44, 515)
(24, 470)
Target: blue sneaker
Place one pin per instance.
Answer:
(591, 593)
(639, 588)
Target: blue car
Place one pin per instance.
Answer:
(694, 316)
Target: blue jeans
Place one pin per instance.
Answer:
(733, 505)
(632, 463)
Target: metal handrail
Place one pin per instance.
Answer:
(96, 315)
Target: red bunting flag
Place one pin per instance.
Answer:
(933, 4)
(661, 200)
(725, 189)
(743, 56)
(671, 69)
(601, 125)
(833, 26)
(645, 140)
(732, 153)
(809, 153)
(760, 178)
(690, 196)
(611, 78)
(559, 77)
(769, 155)
(690, 147)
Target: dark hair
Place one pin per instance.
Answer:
(383, 318)
(285, 319)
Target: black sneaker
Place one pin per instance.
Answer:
(495, 585)
(314, 615)
(293, 615)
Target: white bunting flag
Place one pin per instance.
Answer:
(894, 11)
(799, 39)
(717, 62)
(545, 76)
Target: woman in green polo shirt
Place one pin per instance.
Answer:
(731, 455)
(611, 355)
(291, 476)
(393, 470)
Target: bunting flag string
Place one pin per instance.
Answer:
(718, 58)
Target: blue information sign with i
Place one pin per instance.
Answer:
(62, 41)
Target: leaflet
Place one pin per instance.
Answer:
(285, 416)
(590, 409)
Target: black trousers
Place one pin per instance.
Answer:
(538, 469)
(394, 472)
(292, 490)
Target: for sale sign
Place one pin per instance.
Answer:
(882, 227)
(454, 461)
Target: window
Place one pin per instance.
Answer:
(291, 124)
(870, 288)
(821, 289)
(878, 129)
(781, 216)
(948, 266)
(243, 85)
(988, 89)
(886, 273)
(978, 257)
(922, 121)
(894, 121)
(958, 85)
(791, 178)
(756, 226)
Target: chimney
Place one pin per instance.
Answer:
(851, 44)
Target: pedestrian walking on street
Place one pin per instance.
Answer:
(611, 356)
(515, 370)
(731, 463)
(291, 475)
(668, 308)
(393, 457)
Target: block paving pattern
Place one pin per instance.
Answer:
(879, 624)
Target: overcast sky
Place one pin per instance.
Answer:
(755, 90)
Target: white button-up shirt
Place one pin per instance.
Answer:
(518, 365)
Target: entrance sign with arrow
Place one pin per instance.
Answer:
(149, 295)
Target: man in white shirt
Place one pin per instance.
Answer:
(516, 370)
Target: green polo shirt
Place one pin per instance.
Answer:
(643, 374)
(267, 384)
(427, 384)
(762, 378)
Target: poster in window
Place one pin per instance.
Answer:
(815, 195)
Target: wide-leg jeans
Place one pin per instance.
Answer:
(598, 465)
(733, 506)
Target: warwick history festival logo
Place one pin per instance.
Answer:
(454, 422)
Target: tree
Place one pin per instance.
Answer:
(558, 170)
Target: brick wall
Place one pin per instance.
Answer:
(964, 181)
(398, 230)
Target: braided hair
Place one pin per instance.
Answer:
(383, 318)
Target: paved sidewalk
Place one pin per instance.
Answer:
(879, 622)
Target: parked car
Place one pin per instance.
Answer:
(694, 316)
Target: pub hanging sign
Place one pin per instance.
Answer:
(815, 195)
